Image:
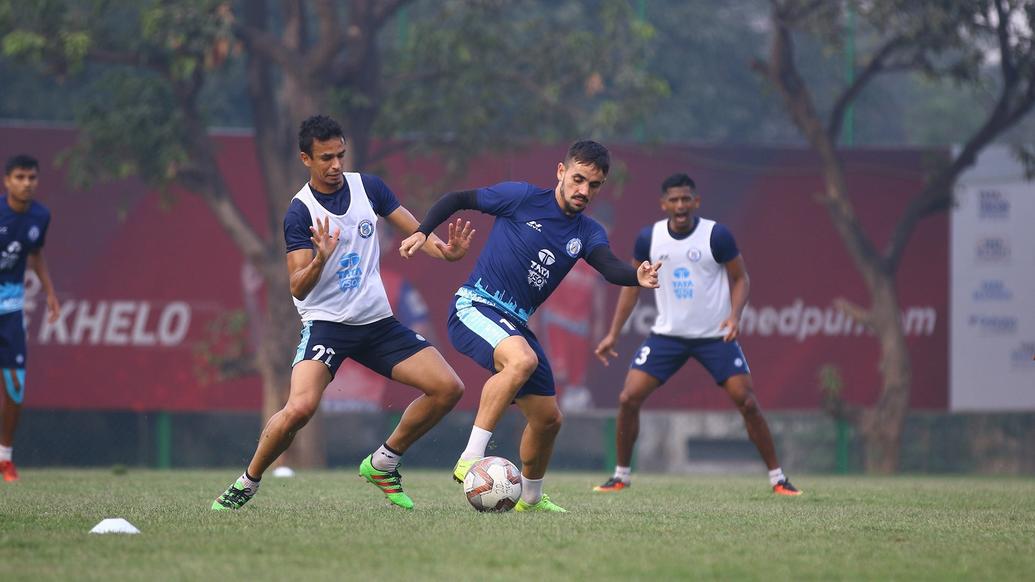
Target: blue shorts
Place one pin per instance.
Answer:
(662, 356)
(378, 346)
(475, 329)
(13, 354)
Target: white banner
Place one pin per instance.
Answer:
(992, 293)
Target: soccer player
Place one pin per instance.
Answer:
(538, 235)
(700, 300)
(332, 258)
(23, 230)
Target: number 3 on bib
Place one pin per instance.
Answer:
(641, 358)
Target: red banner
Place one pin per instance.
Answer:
(146, 278)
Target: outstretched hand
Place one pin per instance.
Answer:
(324, 242)
(647, 274)
(412, 244)
(459, 241)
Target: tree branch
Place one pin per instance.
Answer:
(266, 45)
(876, 64)
(331, 38)
(1002, 29)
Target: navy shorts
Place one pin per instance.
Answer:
(662, 356)
(378, 346)
(475, 329)
(13, 354)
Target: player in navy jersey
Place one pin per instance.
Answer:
(333, 260)
(538, 235)
(23, 230)
(700, 299)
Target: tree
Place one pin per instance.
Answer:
(975, 43)
(468, 75)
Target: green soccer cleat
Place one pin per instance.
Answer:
(389, 482)
(235, 496)
(462, 467)
(544, 504)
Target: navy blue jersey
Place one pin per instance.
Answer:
(21, 233)
(297, 221)
(724, 247)
(531, 247)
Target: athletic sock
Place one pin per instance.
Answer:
(775, 476)
(476, 444)
(623, 474)
(531, 490)
(385, 458)
(6, 453)
(251, 485)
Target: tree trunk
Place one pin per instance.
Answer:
(881, 426)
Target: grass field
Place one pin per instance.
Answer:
(331, 526)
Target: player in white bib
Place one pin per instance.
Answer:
(701, 296)
(333, 260)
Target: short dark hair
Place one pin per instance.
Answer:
(589, 152)
(677, 181)
(319, 128)
(22, 161)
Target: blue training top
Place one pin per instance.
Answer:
(530, 249)
(21, 233)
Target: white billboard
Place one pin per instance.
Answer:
(992, 287)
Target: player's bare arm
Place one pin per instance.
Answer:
(454, 249)
(305, 265)
(627, 298)
(39, 264)
(740, 286)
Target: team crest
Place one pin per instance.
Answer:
(34, 233)
(574, 247)
(366, 228)
(694, 255)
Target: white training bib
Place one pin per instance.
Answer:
(350, 289)
(693, 298)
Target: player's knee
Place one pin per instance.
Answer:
(452, 391)
(523, 365)
(749, 405)
(298, 414)
(630, 400)
(549, 423)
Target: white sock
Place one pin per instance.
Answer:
(531, 490)
(624, 474)
(385, 459)
(250, 487)
(776, 475)
(476, 444)
(6, 453)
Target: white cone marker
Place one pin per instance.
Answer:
(114, 525)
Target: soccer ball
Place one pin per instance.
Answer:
(493, 484)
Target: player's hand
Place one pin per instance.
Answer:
(323, 240)
(606, 348)
(412, 244)
(459, 241)
(647, 274)
(732, 327)
(53, 308)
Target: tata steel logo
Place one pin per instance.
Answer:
(992, 290)
(993, 249)
(681, 273)
(546, 257)
(993, 205)
(994, 324)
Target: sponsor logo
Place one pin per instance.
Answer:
(574, 247)
(993, 324)
(538, 273)
(694, 255)
(366, 228)
(350, 275)
(534, 226)
(992, 290)
(1024, 355)
(34, 233)
(993, 205)
(992, 249)
(419, 337)
(117, 323)
(10, 255)
(682, 286)
(3, 230)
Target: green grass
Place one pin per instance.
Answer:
(330, 525)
